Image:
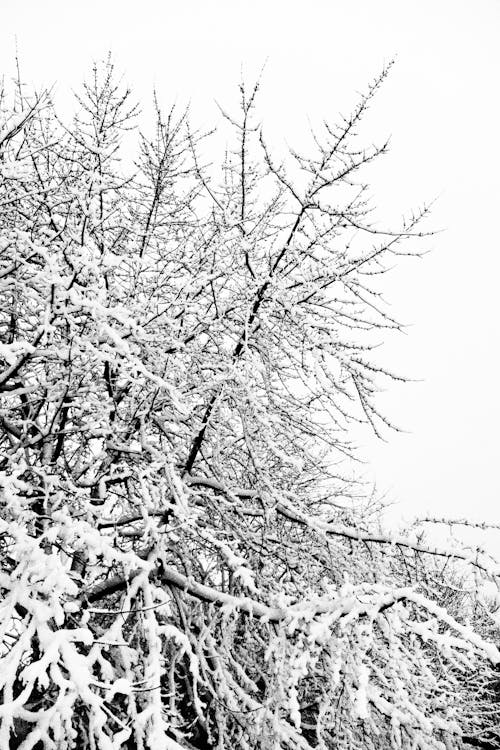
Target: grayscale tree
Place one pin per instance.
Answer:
(188, 556)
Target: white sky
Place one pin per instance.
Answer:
(441, 105)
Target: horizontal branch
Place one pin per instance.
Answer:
(354, 606)
(323, 527)
(395, 540)
(343, 606)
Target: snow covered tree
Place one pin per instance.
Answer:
(188, 559)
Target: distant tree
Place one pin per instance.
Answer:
(187, 557)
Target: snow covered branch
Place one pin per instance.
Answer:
(187, 559)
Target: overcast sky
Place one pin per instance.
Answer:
(441, 107)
